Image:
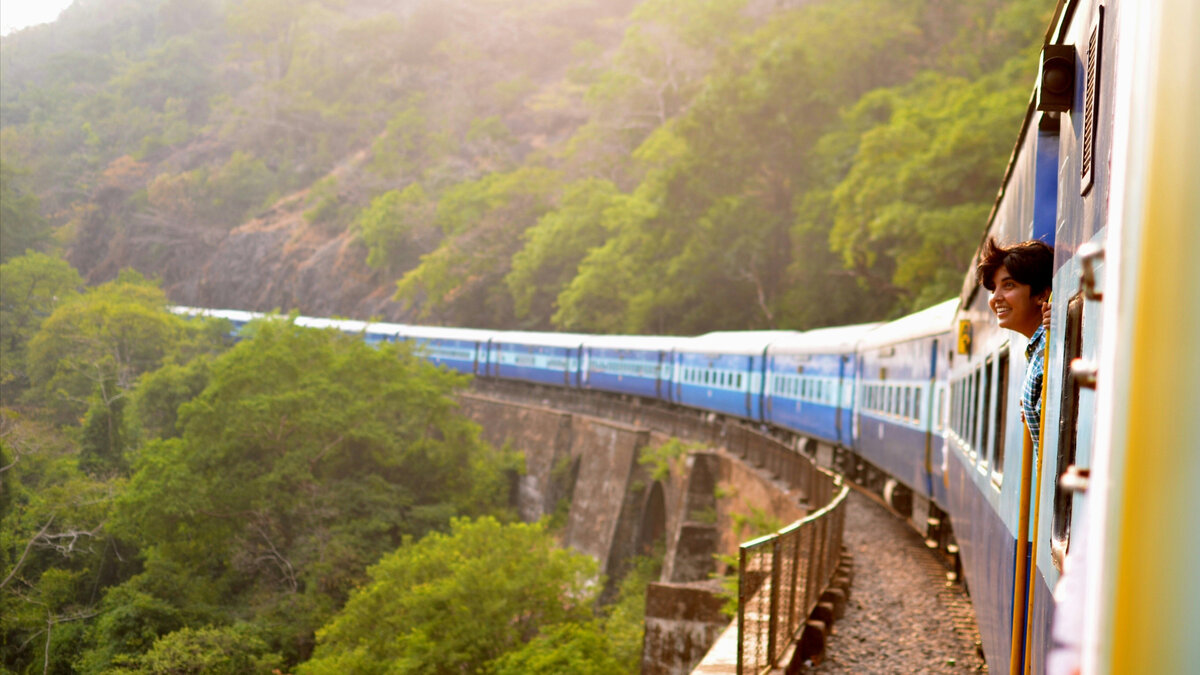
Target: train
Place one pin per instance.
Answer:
(1077, 553)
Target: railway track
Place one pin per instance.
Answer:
(905, 614)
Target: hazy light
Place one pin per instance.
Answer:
(17, 14)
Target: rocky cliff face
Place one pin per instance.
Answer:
(276, 261)
(281, 262)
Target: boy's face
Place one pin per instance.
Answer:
(1013, 305)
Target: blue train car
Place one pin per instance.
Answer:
(724, 372)
(371, 333)
(463, 349)
(810, 382)
(1014, 534)
(238, 318)
(897, 423)
(629, 364)
(544, 358)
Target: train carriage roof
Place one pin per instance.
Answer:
(925, 323)
(344, 325)
(648, 343)
(442, 333)
(234, 315)
(739, 343)
(566, 340)
(836, 339)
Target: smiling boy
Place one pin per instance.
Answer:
(1019, 278)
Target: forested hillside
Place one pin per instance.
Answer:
(171, 501)
(666, 166)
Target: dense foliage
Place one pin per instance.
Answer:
(174, 503)
(660, 166)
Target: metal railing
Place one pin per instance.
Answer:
(781, 578)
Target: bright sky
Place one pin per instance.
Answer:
(17, 14)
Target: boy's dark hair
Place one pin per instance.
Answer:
(1029, 262)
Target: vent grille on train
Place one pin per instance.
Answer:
(1091, 101)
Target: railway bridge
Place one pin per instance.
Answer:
(630, 478)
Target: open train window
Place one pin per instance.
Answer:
(1001, 412)
(985, 412)
(1068, 428)
(917, 404)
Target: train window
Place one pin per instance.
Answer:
(739, 380)
(907, 404)
(1068, 429)
(985, 413)
(975, 413)
(954, 407)
(917, 404)
(941, 409)
(1001, 412)
(958, 406)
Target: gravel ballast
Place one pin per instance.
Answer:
(903, 615)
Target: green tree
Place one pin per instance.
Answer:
(21, 224)
(94, 347)
(564, 648)
(923, 181)
(55, 550)
(216, 650)
(308, 455)
(397, 228)
(31, 287)
(554, 247)
(454, 602)
(462, 281)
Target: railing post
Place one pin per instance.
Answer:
(741, 611)
(773, 625)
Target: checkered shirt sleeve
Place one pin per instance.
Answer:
(1031, 392)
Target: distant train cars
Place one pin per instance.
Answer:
(875, 389)
(902, 392)
(811, 382)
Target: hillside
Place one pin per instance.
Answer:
(657, 166)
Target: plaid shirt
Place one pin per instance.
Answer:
(1031, 392)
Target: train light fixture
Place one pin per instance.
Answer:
(1056, 87)
(964, 337)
